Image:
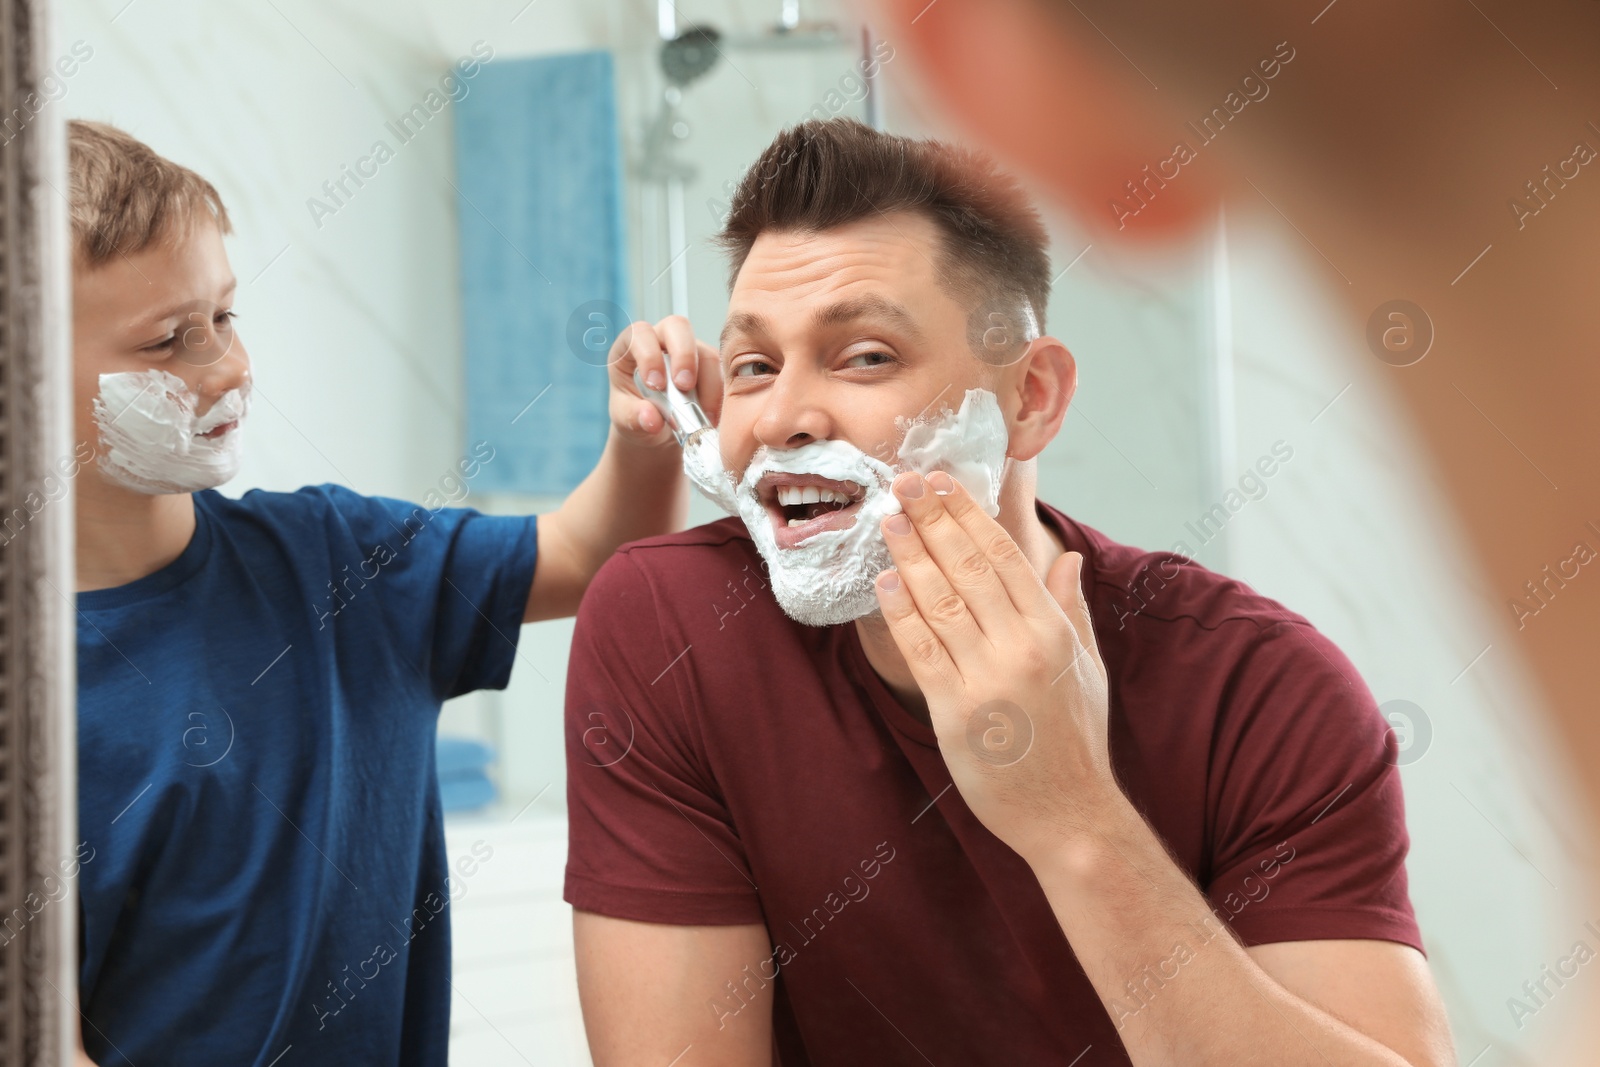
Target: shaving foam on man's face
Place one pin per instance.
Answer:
(814, 511)
(153, 441)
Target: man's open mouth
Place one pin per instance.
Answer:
(218, 431)
(804, 505)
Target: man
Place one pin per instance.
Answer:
(1029, 796)
(260, 678)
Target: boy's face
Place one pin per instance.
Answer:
(167, 308)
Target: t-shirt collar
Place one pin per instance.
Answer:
(189, 562)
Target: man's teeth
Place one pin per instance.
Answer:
(809, 494)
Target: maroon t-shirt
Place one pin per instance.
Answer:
(728, 765)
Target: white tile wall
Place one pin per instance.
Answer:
(515, 996)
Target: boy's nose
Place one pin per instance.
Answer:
(230, 372)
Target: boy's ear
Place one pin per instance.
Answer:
(1043, 383)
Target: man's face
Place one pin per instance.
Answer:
(835, 335)
(834, 342)
(166, 308)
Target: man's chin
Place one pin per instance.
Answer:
(834, 613)
(813, 599)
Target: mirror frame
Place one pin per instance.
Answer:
(38, 727)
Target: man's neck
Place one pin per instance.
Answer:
(123, 536)
(1039, 543)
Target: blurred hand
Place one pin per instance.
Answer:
(668, 347)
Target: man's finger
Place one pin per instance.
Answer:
(1065, 582)
(925, 654)
(1011, 568)
(961, 560)
(939, 604)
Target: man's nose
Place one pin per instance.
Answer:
(792, 412)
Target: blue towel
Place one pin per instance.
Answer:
(462, 755)
(467, 794)
(463, 773)
(543, 265)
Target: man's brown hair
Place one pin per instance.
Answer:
(826, 173)
(126, 197)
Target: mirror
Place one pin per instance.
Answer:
(382, 172)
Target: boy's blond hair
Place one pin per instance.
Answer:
(126, 197)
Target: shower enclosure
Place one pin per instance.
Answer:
(740, 82)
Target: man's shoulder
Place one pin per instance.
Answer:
(1165, 590)
(678, 574)
(713, 535)
(689, 557)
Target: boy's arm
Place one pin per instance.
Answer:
(638, 488)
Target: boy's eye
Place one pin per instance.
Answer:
(220, 320)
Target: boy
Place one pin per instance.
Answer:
(260, 679)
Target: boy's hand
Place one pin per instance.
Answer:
(693, 365)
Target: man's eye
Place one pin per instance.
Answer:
(873, 359)
(753, 367)
(160, 346)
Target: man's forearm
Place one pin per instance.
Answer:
(635, 491)
(1177, 984)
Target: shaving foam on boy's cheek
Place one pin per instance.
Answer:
(151, 439)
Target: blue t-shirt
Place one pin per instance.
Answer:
(256, 778)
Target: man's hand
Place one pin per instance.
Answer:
(1008, 664)
(668, 347)
(1018, 696)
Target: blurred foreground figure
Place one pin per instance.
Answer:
(1439, 153)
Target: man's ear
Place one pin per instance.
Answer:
(1042, 385)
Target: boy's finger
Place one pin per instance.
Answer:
(619, 358)
(644, 353)
(631, 414)
(677, 337)
(649, 418)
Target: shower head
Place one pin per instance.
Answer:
(799, 37)
(690, 55)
